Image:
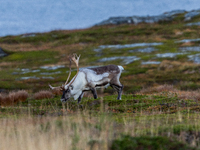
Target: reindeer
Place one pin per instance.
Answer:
(88, 79)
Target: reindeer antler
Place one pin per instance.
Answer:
(70, 62)
(75, 59)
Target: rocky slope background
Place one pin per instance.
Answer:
(153, 50)
(168, 16)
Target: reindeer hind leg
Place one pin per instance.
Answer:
(118, 89)
(94, 92)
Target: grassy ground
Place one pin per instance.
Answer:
(157, 121)
(160, 104)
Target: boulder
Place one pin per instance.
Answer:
(174, 12)
(2, 53)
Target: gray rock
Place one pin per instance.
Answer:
(15, 73)
(174, 12)
(52, 67)
(48, 78)
(152, 19)
(25, 70)
(27, 78)
(169, 55)
(115, 21)
(2, 53)
(125, 59)
(135, 20)
(52, 73)
(193, 24)
(190, 48)
(188, 16)
(34, 78)
(195, 58)
(28, 35)
(188, 40)
(151, 63)
(148, 49)
(144, 50)
(168, 16)
(119, 46)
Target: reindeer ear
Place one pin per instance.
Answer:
(71, 87)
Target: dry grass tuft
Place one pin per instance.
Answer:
(193, 95)
(5, 100)
(43, 95)
(168, 66)
(4, 64)
(57, 92)
(158, 89)
(13, 98)
(164, 88)
(19, 96)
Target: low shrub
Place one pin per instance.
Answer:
(13, 98)
(5, 100)
(18, 96)
(43, 95)
(158, 89)
(57, 92)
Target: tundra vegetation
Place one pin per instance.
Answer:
(160, 106)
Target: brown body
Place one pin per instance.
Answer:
(113, 71)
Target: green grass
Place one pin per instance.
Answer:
(157, 143)
(33, 57)
(138, 121)
(110, 104)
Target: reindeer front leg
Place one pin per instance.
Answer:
(94, 92)
(80, 97)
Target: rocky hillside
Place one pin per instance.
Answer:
(153, 50)
(168, 16)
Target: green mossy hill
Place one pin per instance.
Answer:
(162, 63)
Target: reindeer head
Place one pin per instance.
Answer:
(68, 87)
